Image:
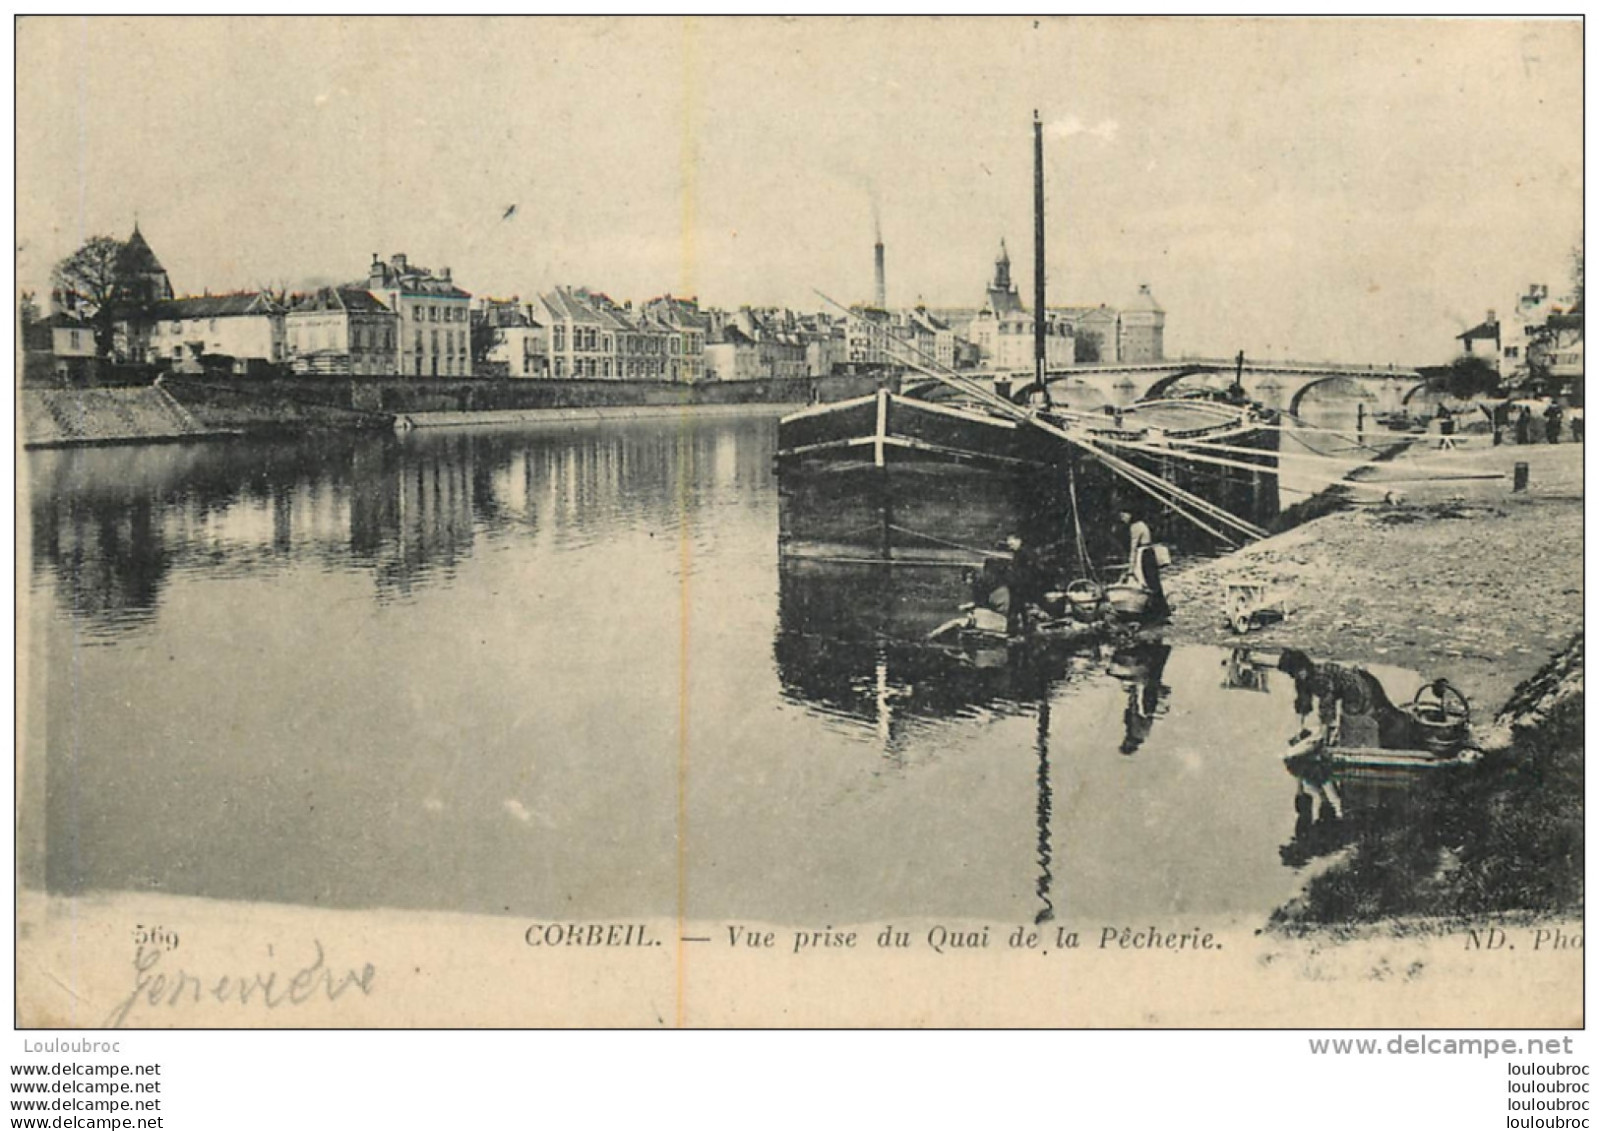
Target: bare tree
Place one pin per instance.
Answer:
(87, 286)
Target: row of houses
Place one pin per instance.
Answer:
(406, 319)
(1539, 342)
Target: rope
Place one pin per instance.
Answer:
(946, 542)
(1218, 461)
(1077, 523)
(1152, 483)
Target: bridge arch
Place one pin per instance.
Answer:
(1164, 384)
(1349, 381)
(1412, 391)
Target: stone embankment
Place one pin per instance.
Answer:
(59, 417)
(1462, 579)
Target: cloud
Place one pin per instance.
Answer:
(1071, 125)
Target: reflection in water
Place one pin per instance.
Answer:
(448, 672)
(1140, 668)
(111, 524)
(1046, 878)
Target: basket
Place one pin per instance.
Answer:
(1128, 598)
(1437, 730)
(1084, 598)
(1440, 717)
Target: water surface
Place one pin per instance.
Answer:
(531, 671)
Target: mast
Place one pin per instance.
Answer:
(1039, 338)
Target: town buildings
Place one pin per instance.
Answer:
(403, 319)
(246, 327)
(1004, 331)
(1541, 341)
(142, 282)
(1142, 335)
(343, 331)
(689, 327)
(515, 340)
(435, 325)
(582, 334)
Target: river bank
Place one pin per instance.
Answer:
(1461, 579)
(1467, 580)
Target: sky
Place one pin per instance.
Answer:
(1318, 189)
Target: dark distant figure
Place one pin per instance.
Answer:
(1446, 427)
(1551, 423)
(1524, 426)
(1143, 565)
(1576, 425)
(1025, 577)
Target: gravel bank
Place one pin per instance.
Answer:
(1462, 579)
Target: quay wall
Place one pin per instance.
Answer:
(397, 396)
(181, 406)
(521, 416)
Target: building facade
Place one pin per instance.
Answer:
(582, 334)
(1143, 329)
(434, 316)
(689, 327)
(516, 341)
(735, 356)
(342, 331)
(248, 326)
(141, 284)
(1003, 330)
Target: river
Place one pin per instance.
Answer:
(557, 671)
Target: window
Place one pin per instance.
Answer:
(560, 339)
(74, 336)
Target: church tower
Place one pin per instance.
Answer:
(1002, 296)
(140, 276)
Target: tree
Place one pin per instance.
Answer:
(1470, 375)
(88, 286)
(485, 336)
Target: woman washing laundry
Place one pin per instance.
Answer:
(1143, 564)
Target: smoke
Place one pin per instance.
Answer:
(1071, 125)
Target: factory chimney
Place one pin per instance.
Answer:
(881, 296)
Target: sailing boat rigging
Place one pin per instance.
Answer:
(1210, 466)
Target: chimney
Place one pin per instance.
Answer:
(1491, 319)
(444, 273)
(881, 294)
(399, 262)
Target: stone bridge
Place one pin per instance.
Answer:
(1283, 385)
